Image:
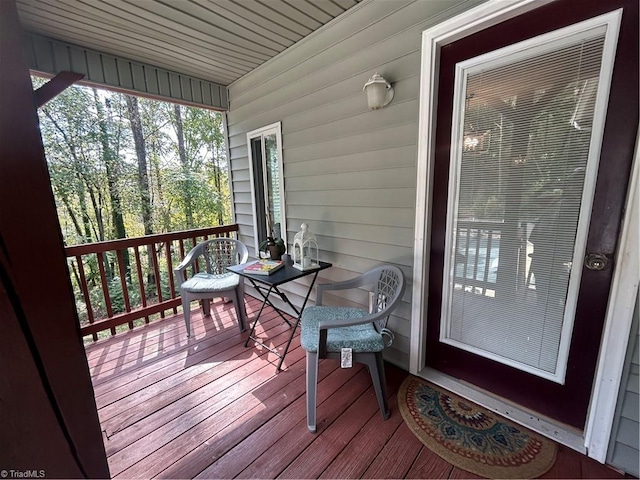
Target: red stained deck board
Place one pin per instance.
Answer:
(197, 355)
(213, 374)
(322, 447)
(160, 365)
(158, 336)
(214, 447)
(460, 473)
(123, 462)
(326, 445)
(129, 357)
(593, 469)
(567, 464)
(283, 387)
(172, 331)
(397, 456)
(361, 451)
(111, 350)
(175, 418)
(329, 443)
(288, 423)
(429, 465)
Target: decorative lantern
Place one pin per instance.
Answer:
(305, 249)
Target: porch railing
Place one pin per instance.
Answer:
(120, 282)
(477, 253)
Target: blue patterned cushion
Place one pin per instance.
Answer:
(360, 338)
(206, 282)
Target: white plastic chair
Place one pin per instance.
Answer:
(215, 281)
(326, 330)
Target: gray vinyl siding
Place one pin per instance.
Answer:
(624, 448)
(349, 172)
(51, 57)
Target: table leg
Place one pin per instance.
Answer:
(255, 322)
(293, 331)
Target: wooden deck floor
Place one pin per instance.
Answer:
(210, 408)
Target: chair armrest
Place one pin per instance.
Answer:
(178, 272)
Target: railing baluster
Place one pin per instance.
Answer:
(123, 283)
(172, 285)
(466, 254)
(487, 264)
(181, 243)
(141, 289)
(196, 264)
(85, 293)
(105, 289)
(156, 273)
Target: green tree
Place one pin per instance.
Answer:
(133, 113)
(110, 141)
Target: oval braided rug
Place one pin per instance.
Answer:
(471, 437)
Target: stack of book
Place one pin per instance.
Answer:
(264, 267)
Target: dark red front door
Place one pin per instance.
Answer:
(565, 400)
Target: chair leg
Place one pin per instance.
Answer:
(375, 363)
(186, 312)
(206, 309)
(238, 304)
(312, 386)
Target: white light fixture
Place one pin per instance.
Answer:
(305, 249)
(379, 92)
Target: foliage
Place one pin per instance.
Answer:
(117, 169)
(70, 126)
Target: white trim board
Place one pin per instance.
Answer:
(225, 129)
(625, 280)
(622, 299)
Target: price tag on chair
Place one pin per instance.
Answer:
(346, 358)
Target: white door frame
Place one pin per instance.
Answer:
(626, 275)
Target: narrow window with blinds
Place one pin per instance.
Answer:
(267, 183)
(522, 175)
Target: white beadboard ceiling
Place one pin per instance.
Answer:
(214, 40)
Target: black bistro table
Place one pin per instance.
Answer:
(268, 284)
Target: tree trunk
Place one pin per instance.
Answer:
(111, 166)
(141, 152)
(186, 185)
(217, 180)
(133, 112)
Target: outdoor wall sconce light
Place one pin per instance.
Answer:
(379, 92)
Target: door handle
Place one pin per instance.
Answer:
(596, 261)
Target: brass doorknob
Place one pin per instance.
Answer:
(596, 261)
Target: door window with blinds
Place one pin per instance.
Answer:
(527, 123)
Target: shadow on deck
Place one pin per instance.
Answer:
(208, 407)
